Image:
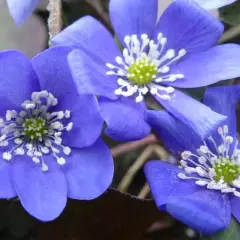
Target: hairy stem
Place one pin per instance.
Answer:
(55, 18)
(131, 146)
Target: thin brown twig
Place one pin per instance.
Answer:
(229, 34)
(144, 191)
(98, 8)
(129, 176)
(55, 18)
(161, 153)
(130, 146)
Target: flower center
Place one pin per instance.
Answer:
(145, 67)
(225, 169)
(142, 71)
(215, 166)
(36, 130)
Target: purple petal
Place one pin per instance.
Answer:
(42, 194)
(6, 188)
(90, 35)
(133, 17)
(198, 117)
(55, 76)
(86, 118)
(206, 211)
(89, 171)
(21, 9)
(53, 71)
(164, 182)
(186, 25)
(205, 68)
(235, 204)
(90, 75)
(125, 118)
(176, 135)
(18, 80)
(224, 100)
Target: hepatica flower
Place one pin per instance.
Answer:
(49, 142)
(21, 9)
(157, 57)
(204, 190)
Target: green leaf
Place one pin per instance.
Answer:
(232, 233)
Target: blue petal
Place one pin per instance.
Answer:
(205, 68)
(224, 100)
(53, 71)
(21, 9)
(55, 76)
(206, 211)
(89, 171)
(235, 204)
(90, 35)
(90, 76)
(186, 25)
(164, 182)
(125, 118)
(133, 17)
(176, 135)
(18, 80)
(198, 117)
(42, 194)
(6, 188)
(86, 118)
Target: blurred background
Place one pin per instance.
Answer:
(125, 212)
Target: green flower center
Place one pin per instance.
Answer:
(226, 170)
(35, 128)
(142, 71)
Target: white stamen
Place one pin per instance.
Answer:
(35, 131)
(61, 161)
(44, 167)
(145, 52)
(67, 150)
(7, 156)
(214, 169)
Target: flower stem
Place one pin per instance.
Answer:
(132, 171)
(229, 34)
(55, 18)
(131, 146)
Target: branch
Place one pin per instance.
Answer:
(131, 146)
(144, 191)
(128, 177)
(55, 18)
(229, 34)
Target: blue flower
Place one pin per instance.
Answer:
(177, 52)
(21, 9)
(205, 190)
(49, 142)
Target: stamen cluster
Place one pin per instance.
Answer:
(215, 166)
(36, 130)
(144, 65)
